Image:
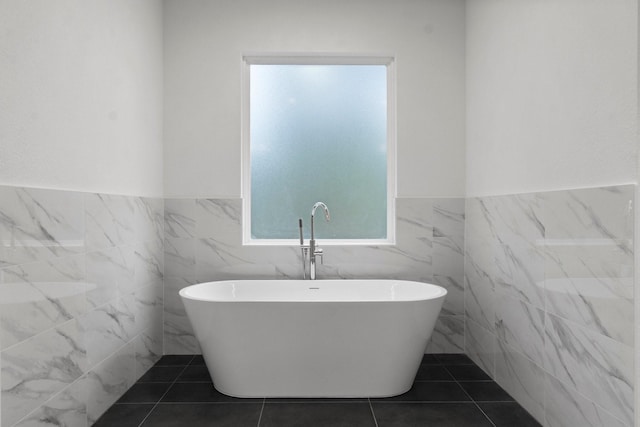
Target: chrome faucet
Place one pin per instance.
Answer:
(312, 250)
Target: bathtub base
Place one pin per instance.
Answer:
(314, 350)
(328, 339)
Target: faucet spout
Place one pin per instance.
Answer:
(314, 250)
(327, 215)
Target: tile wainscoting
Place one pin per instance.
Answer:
(549, 302)
(203, 242)
(541, 297)
(81, 296)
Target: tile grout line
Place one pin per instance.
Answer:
(472, 399)
(375, 420)
(264, 399)
(167, 391)
(484, 413)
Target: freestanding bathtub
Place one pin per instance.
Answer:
(302, 338)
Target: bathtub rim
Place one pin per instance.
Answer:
(433, 292)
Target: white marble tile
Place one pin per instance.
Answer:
(216, 260)
(125, 269)
(222, 257)
(569, 252)
(518, 252)
(598, 367)
(376, 262)
(480, 243)
(481, 346)
(103, 270)
(179, 337)
(157, 207)
(520, 272)
(479, 304)
(66, 409)
(148, 349)
(37, 225)
(448, 252)
(36, 296)
(448, 256)
(219, 219)
(172, 285)
(109, 220)
(149, 263)
(148, 307)
(106, 329)
(518, 217)
(180, 257)
(521, 326)
(475, 274)
(565, 407)
(108, 381)
(177, 340)
(180, 218)
(149, 219)
(586, 285)
(479, 265)
(593, 213)
(414, 228)
(448, 217)
(447, 336)
(454, 301)
(480, 222)
(114, 291)
(589, 263)
(585, 258)
(521, 378)
(37, 369)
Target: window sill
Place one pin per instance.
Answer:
(320, 242)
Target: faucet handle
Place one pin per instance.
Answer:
(300, 228)
(319, 253)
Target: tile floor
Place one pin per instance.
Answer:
(450, 390)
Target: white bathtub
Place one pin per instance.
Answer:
(302, 338)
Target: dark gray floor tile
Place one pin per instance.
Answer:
(439, 397)
(356, 414)
(508, 414)
(433, 373)
(197, 360)
(174, 360)
(431, 391)
(204, 414)
(128, 415)
(144, 393)
(486, 391)
(430, 414)
(199, 393)
(314, 400)
(197, 373)
(430, 359)
(161, 374)
(454, 359)
(468, 373)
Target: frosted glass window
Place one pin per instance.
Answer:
(318, 133)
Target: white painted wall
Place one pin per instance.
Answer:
(551, 94)
(204, 43)
(81, 103)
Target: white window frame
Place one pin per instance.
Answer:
(318, 59)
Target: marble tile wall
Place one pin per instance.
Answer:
(81, 295)
(549, 301)
(203, 242)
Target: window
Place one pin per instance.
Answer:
(318, 129)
